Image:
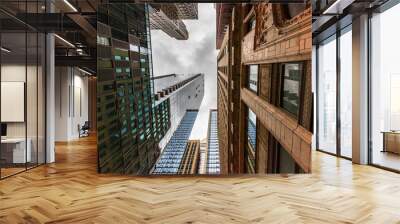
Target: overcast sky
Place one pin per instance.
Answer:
(195, 55)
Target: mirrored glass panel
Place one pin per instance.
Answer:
(327, 96)
(346, 93)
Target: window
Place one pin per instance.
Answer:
(252, 142)
(346, 93)
(251, 24)
(385, 89)
(253, 78)
(133, 48)
(292, 73)
(327, 129)
(103, 40)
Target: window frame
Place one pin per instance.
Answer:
(258, 78)
(301, 87)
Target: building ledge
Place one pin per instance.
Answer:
(294, 138)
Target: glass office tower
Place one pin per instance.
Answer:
(213, 163)
(183, 92)
(172, 155)
(127, 138)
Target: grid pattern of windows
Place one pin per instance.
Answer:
(172, 155)
(213, 163)
(161, 113)
(128, 129)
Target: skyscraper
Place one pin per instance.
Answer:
(184, 96)
(183, 92)
(134, 123)
(168, 18)
(212, 152)
(171, 157)
(126, 141)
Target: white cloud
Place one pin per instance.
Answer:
(198, 54)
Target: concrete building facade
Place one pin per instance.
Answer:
(183, 93)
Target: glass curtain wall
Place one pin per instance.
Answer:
(385, 89)
(22, 87)
(327, 93)
(334, 61)
(346, 92)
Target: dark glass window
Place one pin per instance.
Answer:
(253, 78)
(292, 73)
(251, 24)
(252, 141)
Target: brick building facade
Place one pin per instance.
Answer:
(264, 88)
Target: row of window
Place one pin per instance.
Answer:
(291, 83)
(172, 155)
(213, 162)
(291, 79)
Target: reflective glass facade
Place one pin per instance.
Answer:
(170, 159)
(213, 161)
(327, 96)
(127, 128)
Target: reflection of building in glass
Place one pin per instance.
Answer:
(172, 155)
(212, 154)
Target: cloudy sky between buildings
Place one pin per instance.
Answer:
(195, 55)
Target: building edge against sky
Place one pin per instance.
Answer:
(129, 143)
(184, 92)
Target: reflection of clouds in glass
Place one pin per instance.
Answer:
(198, 54)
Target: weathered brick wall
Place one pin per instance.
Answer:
(262, 149)
(307, 101)
(265, 80)
(294, 138)
(222, 94)
(222, 126)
